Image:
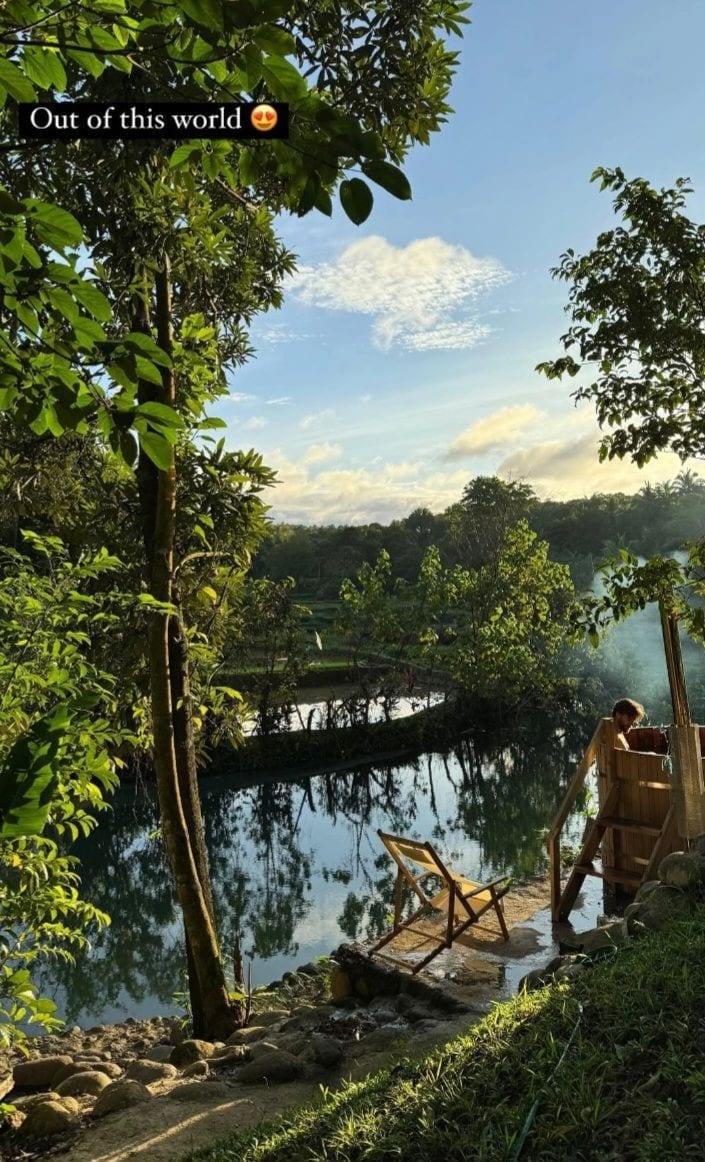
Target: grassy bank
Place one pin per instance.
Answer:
(631, 1085)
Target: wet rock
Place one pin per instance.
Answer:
(260, 1047)
(92, 1082)
(201, 1091)
(682, 869)
(632, 910)
(150, 1071)
(311, 969)
(39, 1073)
(326, 1050)
(246, 1035)
(569, 971)
(48, 1119)
(189, 1051)
(198, 1069)
(416, 1014)
(119, 1095)
(274, 1067)
(611, 936)
(385, 1016)
(340, 986)
(536, 979)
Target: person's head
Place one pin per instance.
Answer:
(627, 713)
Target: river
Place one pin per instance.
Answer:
(297, 865)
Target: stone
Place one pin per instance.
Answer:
(274, 1067)
(535, 979)
(261, 1047)
(201, 1091)
(119, 1095)
(310, 969)
(645, 890)
(665, 905)
(189, 1051)
(339, 984)
(611, 936)
(91, 1082)
(416, 1014)
(682, 869)
(698, 846)
(271, 1017)
(246, 1035)
(632, 910)
(384, 1016)
(328, 1051)
(158, 1053)
(39, 1072)
(47, 1119)
(235, 1055)
(381, 1039)
(198, 1069)
(109, 1068)
(569, 971)
(151, 1071)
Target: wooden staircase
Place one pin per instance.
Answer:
(607, 820)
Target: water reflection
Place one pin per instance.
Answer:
(297, 865)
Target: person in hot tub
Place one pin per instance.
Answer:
(626, 713)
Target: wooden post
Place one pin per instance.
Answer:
(686, 757)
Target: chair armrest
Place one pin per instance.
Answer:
(486, 887)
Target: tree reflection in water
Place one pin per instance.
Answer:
(297, 865)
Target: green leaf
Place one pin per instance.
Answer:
(44, 67)
(29, 776)
(8, 204)
(161, 412)
(146, 370)
(183, 154)
(128, 448)
(356, 199)
(157, 449)
(14, 82)
(207, 13)
(282, 78)
(93, 300)
(53, 225)
(389, 177)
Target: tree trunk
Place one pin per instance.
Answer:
(157, 490)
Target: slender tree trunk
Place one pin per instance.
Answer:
(157, 490)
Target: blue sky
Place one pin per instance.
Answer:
(367, 394)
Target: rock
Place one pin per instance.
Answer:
(682, 869)
(569, 971)
(632, 910)
(246, 1035)
(380, 1039)
(47, 1119)
(403, 1003)
(189, 1051)
(119, 1095)
(150, 1071)
(698, 846)
(645, 890)
(665, 905)
(416, 1014)
(423, 1028)
(296, 1043)
(260, 1047)
(198, 1069)
(11, 1120)
(533, 980)
(611, 936)
(37, 1074)
(271, 1017)
(384, 1016)
(310, 969)
(235, 1055)
(201, 1091)
(109, 1068)
(92, 1082)
(274, 1067)
(34, 1099)
(340, 986)
(158, 1053)
(326, 1051)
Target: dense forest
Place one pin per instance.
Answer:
(582, 533)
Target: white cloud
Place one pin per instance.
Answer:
(495, 432)
(239, 396)
(322, 453)
(365, 398)
(563, 469)
(256, 422)
(282, 399)
(316, 419)
(280, 333)
(421, 296)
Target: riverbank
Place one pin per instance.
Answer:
(608, 1066)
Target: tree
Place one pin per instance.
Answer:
(56, 740)
(487, 510)
(181, 255)
(637, 309)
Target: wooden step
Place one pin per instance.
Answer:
(613, 875)
(630, 825)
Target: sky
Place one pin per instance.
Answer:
(402, 362)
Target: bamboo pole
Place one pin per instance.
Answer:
(686, 757)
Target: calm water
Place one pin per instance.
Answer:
(297, 866)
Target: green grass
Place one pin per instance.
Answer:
(630, 1088)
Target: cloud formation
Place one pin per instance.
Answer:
(256, 422)
(316, 419)
(420, 297)
(321, 453)
(563, 469)
(495, 432)
(281, 399)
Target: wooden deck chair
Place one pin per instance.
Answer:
(461, 900)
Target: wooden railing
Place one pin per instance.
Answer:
(576, 785)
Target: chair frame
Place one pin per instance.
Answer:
(456, 896)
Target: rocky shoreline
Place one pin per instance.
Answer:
(312, 1026)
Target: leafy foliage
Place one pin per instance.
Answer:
(55, 764)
